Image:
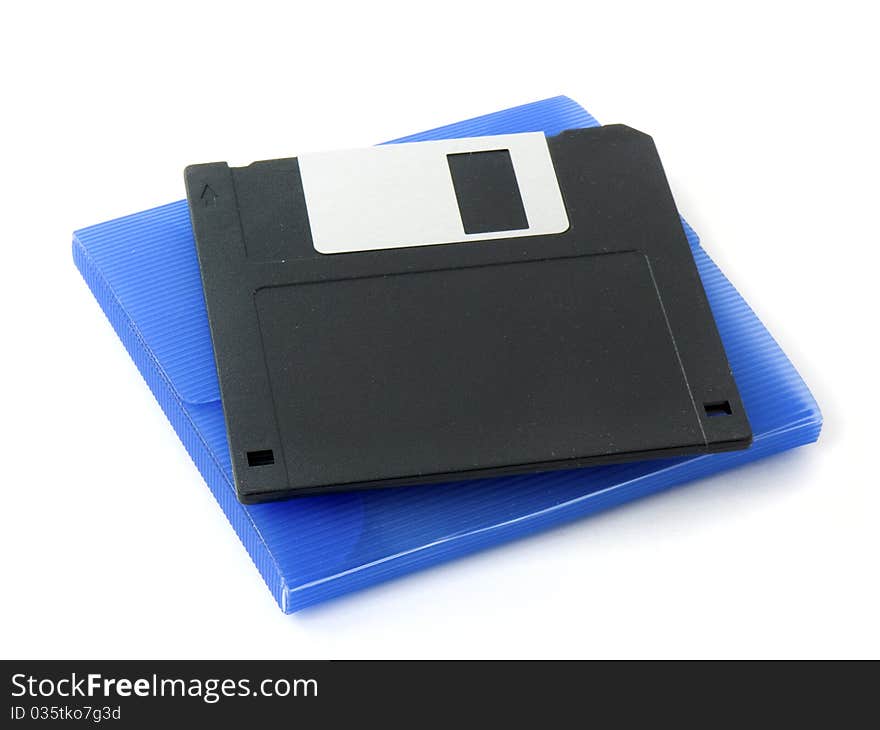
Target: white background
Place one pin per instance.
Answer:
(766, 118)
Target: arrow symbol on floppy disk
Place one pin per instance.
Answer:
(208, 196)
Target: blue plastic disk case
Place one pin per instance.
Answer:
(144, 273)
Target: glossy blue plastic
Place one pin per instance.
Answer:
(144, 272)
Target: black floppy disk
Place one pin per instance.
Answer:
(454, 309)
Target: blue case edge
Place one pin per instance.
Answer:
(173, 408)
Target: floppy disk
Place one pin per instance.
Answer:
(455, 309)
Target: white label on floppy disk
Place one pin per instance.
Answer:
(400, 195)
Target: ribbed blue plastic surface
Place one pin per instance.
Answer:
(144, 272)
